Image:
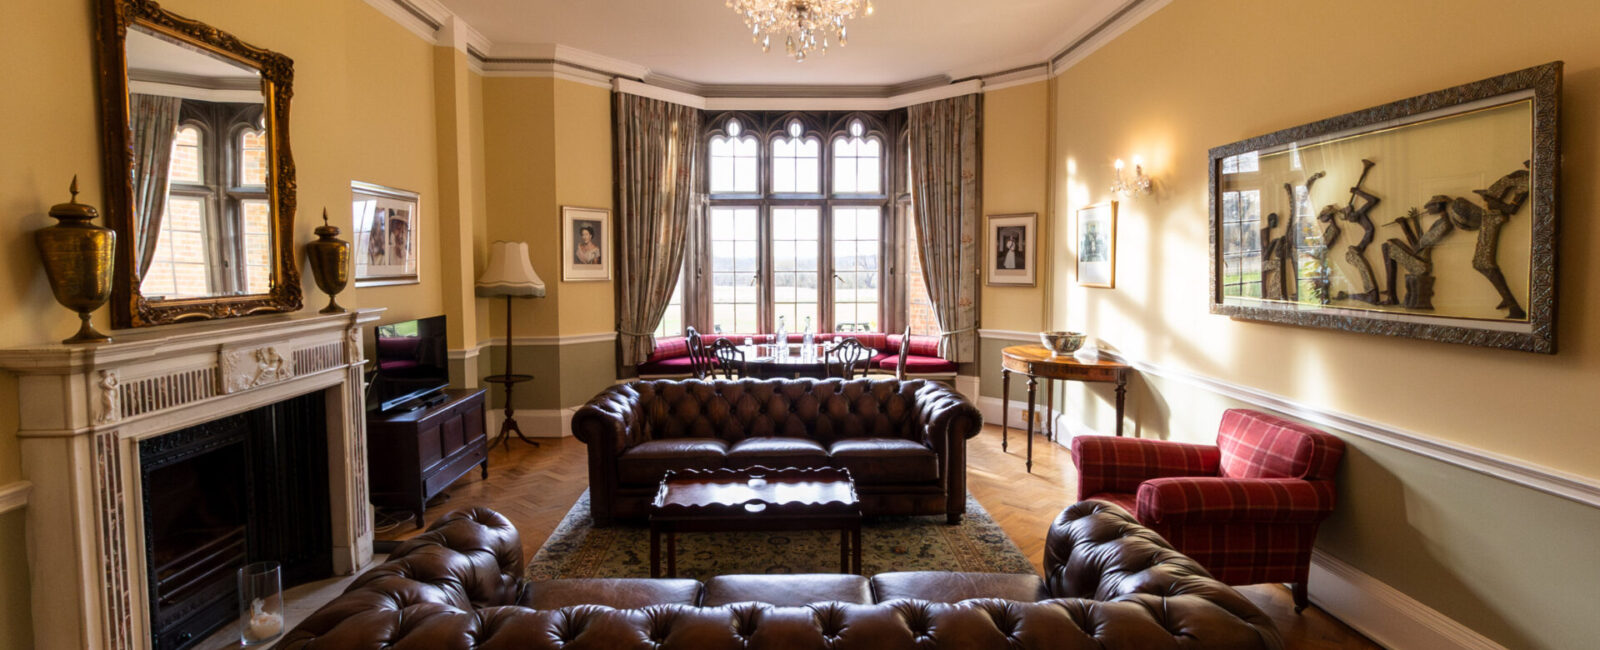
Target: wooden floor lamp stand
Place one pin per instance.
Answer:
(508, 380)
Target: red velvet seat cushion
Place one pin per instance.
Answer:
(777, 452)
(670, 367)
(917, 364)
(643, 464)
(885, 460)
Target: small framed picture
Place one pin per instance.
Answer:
(585, 244)
(1012, 242)
(1097, 245)
(386, 224)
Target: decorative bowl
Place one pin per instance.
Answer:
(1060, 343)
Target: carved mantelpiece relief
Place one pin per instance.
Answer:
(243, 369)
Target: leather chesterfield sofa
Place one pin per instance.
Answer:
(1111, 583)
(904, 442)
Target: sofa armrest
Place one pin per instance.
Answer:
(609, 421)
(1107, 464)
(1217, 500)
(942, 411)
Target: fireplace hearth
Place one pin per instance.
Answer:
(239, 489)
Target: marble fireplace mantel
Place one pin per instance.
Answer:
(84, 409)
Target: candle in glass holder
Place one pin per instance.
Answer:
(263, 624)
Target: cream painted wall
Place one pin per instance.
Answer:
(1015, 122)
(583, 179)
(1200, 74)
(520, 181)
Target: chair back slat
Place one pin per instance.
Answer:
(845, 357)
(730, 359)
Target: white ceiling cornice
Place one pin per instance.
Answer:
(437, 24)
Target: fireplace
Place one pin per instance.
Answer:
(239, 489)
(166, 459)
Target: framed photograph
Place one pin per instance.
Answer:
(1432, 217)
(386, 225)
(1013, 238)
(585, 244)
(1097, 245)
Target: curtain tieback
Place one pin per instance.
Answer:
(636, 334)
(943, 335)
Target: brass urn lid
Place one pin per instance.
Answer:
(325, 230)
(73, 210)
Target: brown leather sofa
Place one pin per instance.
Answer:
(1111, 583)
(903, 442)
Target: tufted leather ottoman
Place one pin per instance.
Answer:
(904, 442)
(1112, 583)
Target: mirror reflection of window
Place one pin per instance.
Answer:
(254, 211)
(178, 268)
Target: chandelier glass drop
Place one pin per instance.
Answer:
(805, 26)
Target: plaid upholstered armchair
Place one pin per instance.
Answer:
(1247, 509)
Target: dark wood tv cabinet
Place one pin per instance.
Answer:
(412, 456)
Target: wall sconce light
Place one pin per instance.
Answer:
(1137, 184)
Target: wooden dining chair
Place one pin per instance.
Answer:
(845, 357)
(905, 350)
(730, 358)
(699, 361)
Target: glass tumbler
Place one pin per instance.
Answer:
(260, 603)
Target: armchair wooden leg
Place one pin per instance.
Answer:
(1302, 599)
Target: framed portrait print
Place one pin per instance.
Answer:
(1097, 245)
(585, 244)
(386, 225)
(1012, 240)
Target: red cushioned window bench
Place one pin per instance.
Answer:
(670, 360)
(1247, 508)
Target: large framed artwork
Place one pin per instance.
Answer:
(386, 221)
(585, 244)
(1432, 217)
(1012, 241)
(1097, 245)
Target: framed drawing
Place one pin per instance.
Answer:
(1012, 240)
(1432, 217)
(585, 242)
(1097, 245)
(386, 224)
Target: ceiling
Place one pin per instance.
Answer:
(705, 42)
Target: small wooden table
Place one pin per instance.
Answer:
(755, 498)
(1037, 362)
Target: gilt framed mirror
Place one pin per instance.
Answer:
(200, 183)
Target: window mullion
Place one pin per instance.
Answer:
(825, 266)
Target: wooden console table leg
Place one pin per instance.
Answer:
(1033, 384)
(1122, 393)
(1050, 410)
(1005, 406)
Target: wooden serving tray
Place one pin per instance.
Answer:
(758, 492)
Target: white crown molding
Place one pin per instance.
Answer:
(1381, 612)
(15, 495)
(1009, 335)
(798, 103)
(1556, 483)
(668, 95)
(1023, 77)
(1108, 30)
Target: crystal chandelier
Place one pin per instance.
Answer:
(805, 26)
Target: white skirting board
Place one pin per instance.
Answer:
(1383, 613)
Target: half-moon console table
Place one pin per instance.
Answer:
(1037, 362)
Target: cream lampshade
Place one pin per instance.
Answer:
(509, 274)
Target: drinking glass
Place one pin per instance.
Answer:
(260, 603)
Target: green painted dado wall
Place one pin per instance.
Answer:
(16, 624)
(565, 375)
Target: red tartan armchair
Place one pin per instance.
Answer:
(1247, 509)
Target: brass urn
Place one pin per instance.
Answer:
(77, 257)
(330, 263)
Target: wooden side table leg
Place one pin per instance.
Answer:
(672, 553)
(855, 547)
(1005, 407)
(844, 549)
(1050, 410)
(1033, 385)
(1122, 394)
(655, 552)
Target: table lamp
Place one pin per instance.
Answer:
(509, 274)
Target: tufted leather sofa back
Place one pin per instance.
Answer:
(824, 410)
(1116, 584)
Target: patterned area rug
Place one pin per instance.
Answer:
(579, 550)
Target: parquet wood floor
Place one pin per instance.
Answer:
(535, 487)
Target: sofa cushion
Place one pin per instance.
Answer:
(621, 593)
(787, 590)
(643, 464)
(917, 364)
(951, 587)
(885, 460)
(776, 452)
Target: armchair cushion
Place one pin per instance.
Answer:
(954, 587)
(1118, 465)
(1175, 501)
(1258, 445)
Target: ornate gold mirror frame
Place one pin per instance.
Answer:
(129, 308)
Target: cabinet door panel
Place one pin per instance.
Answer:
(428, 447)
(452, 437)
(472, 421)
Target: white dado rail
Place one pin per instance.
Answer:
(85, 408)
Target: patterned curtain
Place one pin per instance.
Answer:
(944, 195)
(657, 158)
(154, 122)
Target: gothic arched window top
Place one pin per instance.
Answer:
(735, 155)
(796, 160)
(858, 155)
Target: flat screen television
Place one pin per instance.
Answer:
(412, 362)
